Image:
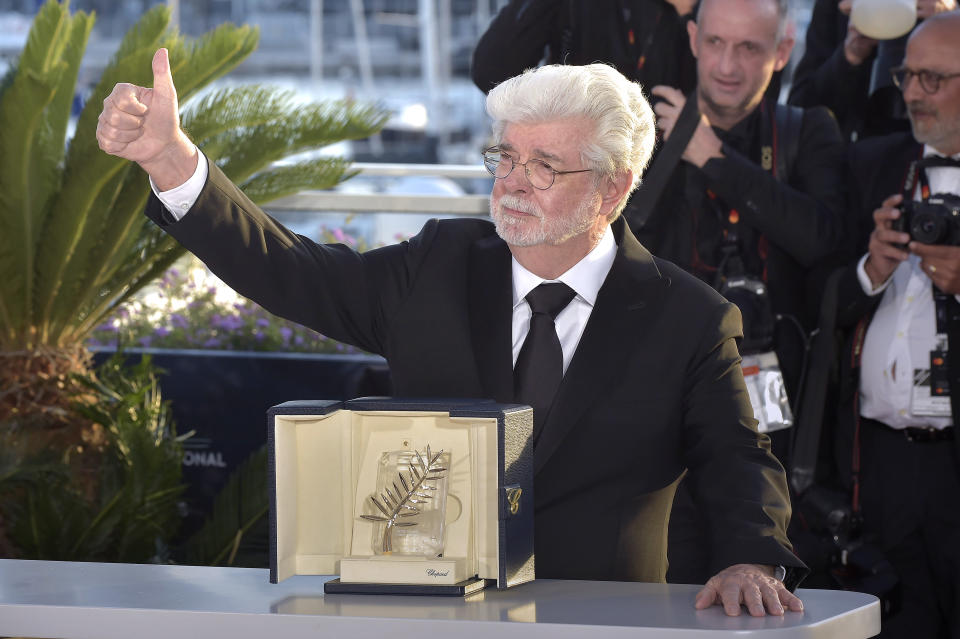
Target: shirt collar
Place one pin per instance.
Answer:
(929, 151)
(585, 277)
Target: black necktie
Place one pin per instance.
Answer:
(539, 367)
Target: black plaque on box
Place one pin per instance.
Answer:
(461, 589)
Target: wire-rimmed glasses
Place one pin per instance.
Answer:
(540, 174)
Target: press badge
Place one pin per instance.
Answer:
(768, 393)
(931, 387)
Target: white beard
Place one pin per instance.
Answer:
(520, 231)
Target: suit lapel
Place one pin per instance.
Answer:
(625, 306)
(491, 316)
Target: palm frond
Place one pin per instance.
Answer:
(91, 179)
(213, 55)
(154, 254)
(96, 246)
(248, 128)
(279, 181)
(30, 153)
(59, 112)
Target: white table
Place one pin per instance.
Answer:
(103, 601)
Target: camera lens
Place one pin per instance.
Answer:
(928, 228)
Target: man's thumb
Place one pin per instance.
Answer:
(162, 80)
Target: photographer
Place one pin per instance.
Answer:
(897, 451)
(848, 71)
(757, 193)
(645, 40)
(750, 195)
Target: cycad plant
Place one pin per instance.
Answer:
(73, 241)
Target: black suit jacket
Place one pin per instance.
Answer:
(654, 388)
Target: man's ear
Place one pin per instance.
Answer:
(613, 190)
(692, 32)
(784, 48)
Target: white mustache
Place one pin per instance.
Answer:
(518, 204)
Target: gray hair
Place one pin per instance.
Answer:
(783, 16)
(623, 135)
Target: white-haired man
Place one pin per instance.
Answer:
(636, 380)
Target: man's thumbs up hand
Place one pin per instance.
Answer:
(143, 125)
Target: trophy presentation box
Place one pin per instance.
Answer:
(401, 496)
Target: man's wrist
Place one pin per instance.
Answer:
(876, 277)
(174, 165)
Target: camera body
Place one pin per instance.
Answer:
(751, 297)
(933, 221)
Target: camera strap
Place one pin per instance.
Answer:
(644, 200)
(813, 396)
(921, 176)
(917, 174)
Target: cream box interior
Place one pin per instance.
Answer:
(324, 468)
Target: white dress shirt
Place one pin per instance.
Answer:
(903, 330)
(585, 278)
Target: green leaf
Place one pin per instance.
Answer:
(279, 181)
(249, 128)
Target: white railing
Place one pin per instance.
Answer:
(394, 203)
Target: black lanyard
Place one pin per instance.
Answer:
(917, 174)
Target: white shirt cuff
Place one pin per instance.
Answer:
(865, 282)
(179, 199)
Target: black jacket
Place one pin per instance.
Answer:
(577, 32)
(796, 221)
(824, 77)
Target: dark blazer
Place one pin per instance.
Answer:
(654, 388)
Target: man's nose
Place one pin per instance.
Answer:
(728, 60)
(911, 88)
(517, 180)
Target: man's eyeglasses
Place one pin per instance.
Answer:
(929, 80)
(540, 174)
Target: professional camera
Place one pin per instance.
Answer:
(751, 297)
(739, 286)
(934, 221)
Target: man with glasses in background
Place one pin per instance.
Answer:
(630, 364)
(897, 451)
